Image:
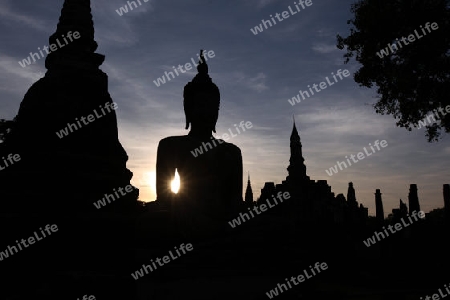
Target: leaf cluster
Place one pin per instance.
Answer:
(414, 80)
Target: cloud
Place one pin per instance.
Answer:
(256, 83)
(260, 3)
(10, 66)
(8, 14)
(323, 48)
(114, 30)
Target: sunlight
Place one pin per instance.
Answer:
(175, 185)
(150, 178)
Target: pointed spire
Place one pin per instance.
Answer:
(249, 192)
(295, 137)
(75, 17)
(296, 168)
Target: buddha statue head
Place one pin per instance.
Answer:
(201, 100)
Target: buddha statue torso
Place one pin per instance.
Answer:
(211, 180)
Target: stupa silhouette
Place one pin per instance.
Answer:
(66, 130)
(66, 136)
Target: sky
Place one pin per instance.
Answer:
(256, 73)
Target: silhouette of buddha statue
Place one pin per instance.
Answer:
(210, 169)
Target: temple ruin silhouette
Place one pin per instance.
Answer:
(59, 177)
(312, 202)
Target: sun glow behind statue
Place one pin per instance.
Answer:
(175, 184)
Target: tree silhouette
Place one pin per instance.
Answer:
(5, 129)
(412, 76)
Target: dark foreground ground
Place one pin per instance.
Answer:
(96, 254)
